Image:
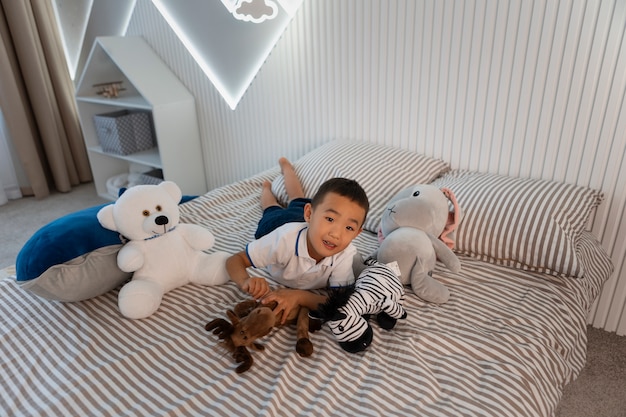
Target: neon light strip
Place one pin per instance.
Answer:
(80, 29)
(72, 53)
(232, 97)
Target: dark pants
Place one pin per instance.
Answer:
(275, 216)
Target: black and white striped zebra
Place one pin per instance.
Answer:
(377, 291)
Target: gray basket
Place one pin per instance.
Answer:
(124, 132)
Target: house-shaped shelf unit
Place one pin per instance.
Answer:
(146, 84)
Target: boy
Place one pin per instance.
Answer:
(307, 245)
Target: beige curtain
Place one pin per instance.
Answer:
(37, 99)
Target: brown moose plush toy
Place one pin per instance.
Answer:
(249, 321)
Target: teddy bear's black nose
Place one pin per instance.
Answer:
(161, 220)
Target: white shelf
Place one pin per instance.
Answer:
(148, 85)
(131, 102)
(148, 157)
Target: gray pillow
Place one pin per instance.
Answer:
(81, 278)
(524, 223)
(381, 170)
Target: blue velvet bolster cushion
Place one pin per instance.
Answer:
(72, 258)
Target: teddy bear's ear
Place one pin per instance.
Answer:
(172, 189)
(105, 217)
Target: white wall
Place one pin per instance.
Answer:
(518, 87)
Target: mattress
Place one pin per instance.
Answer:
(506, 343)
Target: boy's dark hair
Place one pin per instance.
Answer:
(346, 188)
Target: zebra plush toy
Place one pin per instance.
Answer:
(378, 291)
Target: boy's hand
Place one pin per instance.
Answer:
(257, 287)
(287, 302)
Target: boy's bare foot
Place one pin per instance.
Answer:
(284, 164)
(267, 197)
(292, 183)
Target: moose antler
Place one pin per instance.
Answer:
(220, 327)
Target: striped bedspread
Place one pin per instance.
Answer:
(504, 345)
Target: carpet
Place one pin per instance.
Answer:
(7, 272)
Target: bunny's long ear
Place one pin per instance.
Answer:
(454, 218)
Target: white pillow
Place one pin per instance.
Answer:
(523, 223)
(381, 170)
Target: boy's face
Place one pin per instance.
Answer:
(333, 224)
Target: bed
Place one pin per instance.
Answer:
(512, 335)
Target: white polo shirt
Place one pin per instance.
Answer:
(283, 253)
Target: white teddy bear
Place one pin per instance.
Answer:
(162, 253)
